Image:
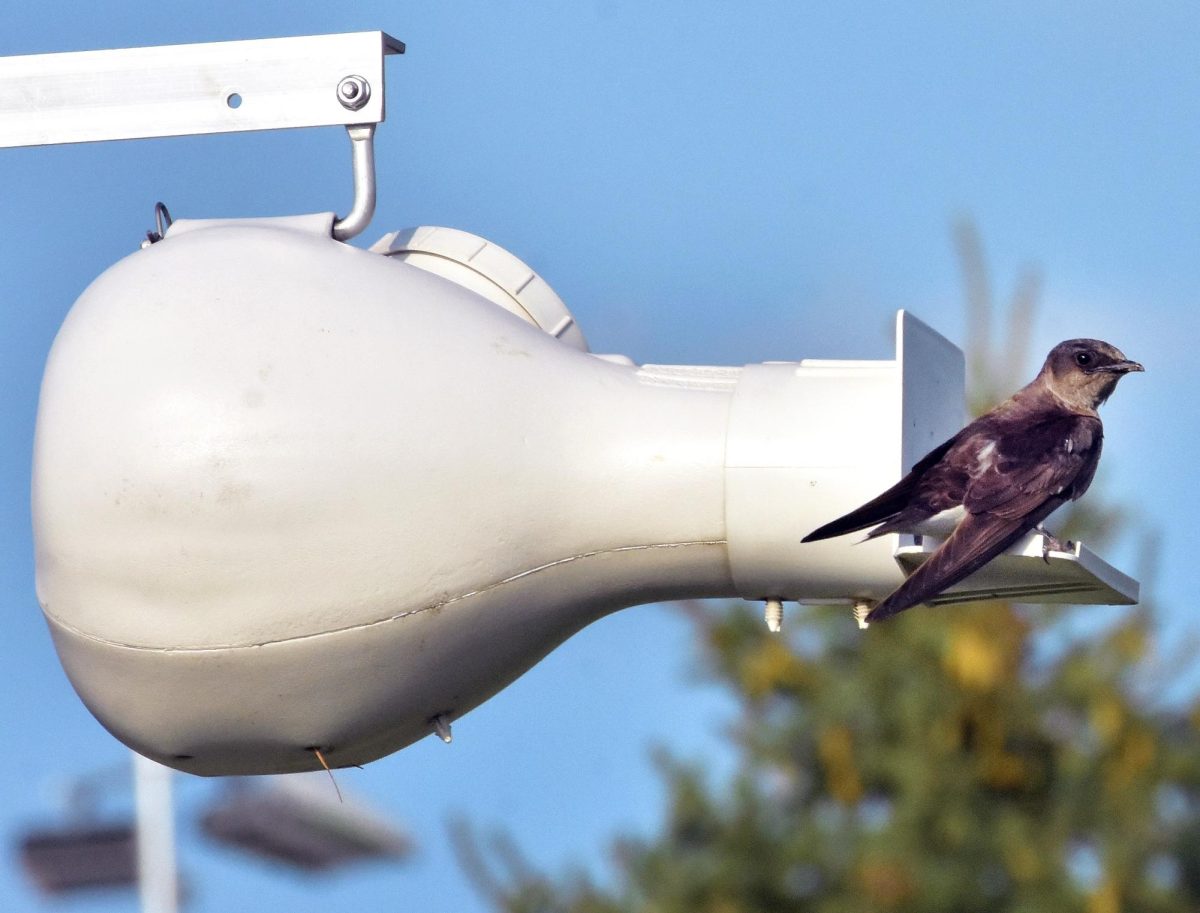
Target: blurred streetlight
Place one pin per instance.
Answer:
(76, 857)
(299, 820)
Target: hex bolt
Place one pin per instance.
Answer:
(353, 92)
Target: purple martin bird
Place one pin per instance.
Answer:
(999, 477)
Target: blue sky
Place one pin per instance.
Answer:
(702, 183)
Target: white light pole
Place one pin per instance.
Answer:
(157, 882)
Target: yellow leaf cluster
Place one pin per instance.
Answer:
(835, 748)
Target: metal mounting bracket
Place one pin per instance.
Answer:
(190, 89)
(362, 147)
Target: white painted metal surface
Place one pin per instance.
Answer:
(158, 881)
(290, 494)
(174, 90)
(1078, 576)
(487, 269)
(809, 441)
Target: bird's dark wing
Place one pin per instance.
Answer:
(975, 541)
(1054, 456)
(887, 505)
(1034, 471)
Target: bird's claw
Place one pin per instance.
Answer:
(1053, 544)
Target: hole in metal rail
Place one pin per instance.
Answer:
(234, 100)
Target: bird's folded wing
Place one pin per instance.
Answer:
(1055, 456)
(975, 541)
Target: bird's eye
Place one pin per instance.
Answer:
(1083, 359)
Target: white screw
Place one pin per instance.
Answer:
(441, 725)
(774, 615)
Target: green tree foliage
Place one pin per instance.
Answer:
(973, 758)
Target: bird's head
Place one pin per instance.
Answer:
(1084, 372)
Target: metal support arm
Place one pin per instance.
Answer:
(362, 147)
(221, 87)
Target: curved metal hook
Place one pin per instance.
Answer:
(362, 148)
(162, 221)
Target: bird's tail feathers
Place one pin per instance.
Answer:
(887, 506)
(876, 511)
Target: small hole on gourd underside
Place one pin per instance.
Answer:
(234, 100)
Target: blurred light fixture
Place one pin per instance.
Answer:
(65, 860)
(299, 821)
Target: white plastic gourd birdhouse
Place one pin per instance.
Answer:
(291, 494)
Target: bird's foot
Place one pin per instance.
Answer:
(862, 609)
(1052, 543)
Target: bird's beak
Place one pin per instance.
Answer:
(1123, 367)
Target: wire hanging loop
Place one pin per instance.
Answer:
(162, 221)
(362, 148)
